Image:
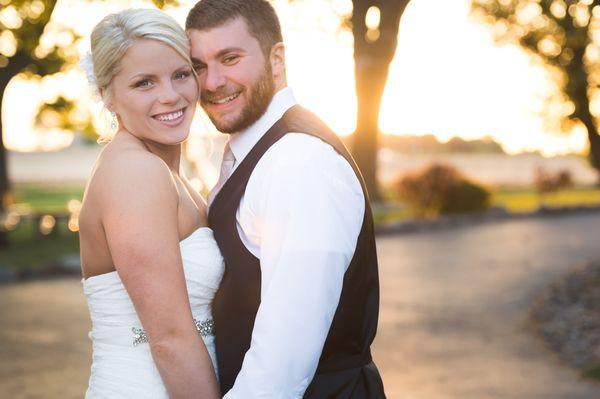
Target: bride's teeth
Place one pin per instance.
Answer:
(170, 117)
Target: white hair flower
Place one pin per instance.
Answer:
(87, 65)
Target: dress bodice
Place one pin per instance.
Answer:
(121, 357)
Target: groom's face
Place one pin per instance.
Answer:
(235, 78)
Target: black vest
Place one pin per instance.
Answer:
(345, 368)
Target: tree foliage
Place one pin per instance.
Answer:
(565, 36)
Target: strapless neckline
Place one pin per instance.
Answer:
(122, 365)
(203, 231)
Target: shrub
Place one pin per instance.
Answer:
(441, 189)
(547, 182)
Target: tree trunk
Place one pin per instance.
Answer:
(370, 83)
(577, 90)
(372, 57)
(4, 183)
(589, 121)
(594, 139)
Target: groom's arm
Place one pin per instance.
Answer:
(309, 215)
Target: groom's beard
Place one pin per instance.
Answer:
(258, 98)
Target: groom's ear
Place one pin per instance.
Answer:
(277, 59)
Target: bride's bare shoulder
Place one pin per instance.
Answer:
(130, 170)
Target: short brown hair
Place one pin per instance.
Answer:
(259, 15)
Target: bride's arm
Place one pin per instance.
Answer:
(139, 215)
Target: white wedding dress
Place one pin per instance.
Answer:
(122, 365)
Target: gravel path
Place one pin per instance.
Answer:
(455, 303)
(453, 322)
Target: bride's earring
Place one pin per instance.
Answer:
(113, 123)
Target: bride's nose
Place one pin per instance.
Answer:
(168, 94)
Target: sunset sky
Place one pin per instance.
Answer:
(447, 79)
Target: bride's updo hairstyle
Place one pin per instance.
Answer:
(117, 33)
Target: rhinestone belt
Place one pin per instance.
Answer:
(205, 328)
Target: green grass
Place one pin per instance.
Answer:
(512, 199)
(25, 250)
(527, 200)
(50, 198)
(390, 214)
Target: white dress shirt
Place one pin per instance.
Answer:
(300, 215)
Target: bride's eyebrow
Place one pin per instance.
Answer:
(142, 75)
(183, 67)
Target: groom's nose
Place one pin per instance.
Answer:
(213, 78)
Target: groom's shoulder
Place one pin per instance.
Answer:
(302, 153)
(302, 148)
(298, 149)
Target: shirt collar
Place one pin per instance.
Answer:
(241, 143)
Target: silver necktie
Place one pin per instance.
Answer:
(226, 170)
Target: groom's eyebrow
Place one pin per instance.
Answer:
(196, 61)
(221, 53)
(228, 50)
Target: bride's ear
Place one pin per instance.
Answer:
(108, 105)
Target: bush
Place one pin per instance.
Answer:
(441, 189)
(547, 182)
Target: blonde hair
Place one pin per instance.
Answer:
(117, 33)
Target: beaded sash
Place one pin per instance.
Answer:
(205, 328)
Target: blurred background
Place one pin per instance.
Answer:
(475, 124)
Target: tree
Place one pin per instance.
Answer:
(374, 49)
(23, 24)
(560, 34)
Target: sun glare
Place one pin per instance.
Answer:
(447, 78)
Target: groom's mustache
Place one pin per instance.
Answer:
(212, 96)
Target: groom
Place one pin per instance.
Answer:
(297, 309)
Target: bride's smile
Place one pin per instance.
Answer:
(171, 118)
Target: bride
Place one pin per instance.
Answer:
(150, 264)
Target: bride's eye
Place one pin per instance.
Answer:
(144, 83)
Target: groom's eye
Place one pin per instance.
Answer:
(198, 67)
(230, 59)
(183, 74)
